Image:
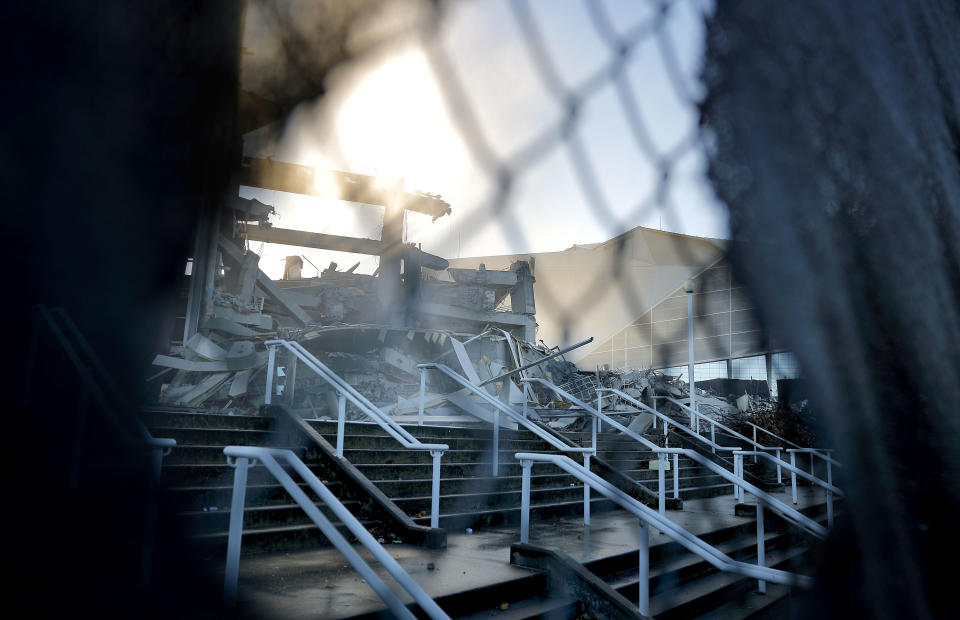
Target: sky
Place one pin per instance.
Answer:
(391, 117)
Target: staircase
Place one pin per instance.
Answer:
(684, 586)
(470, 496)
(630, 458)
(199, 485)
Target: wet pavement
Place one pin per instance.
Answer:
(320, 584)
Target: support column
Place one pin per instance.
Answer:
(391, 238)
(771, 384)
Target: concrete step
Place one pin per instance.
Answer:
(217, 474)
(710, 592)
(169, 419)
(682, 585)
(325, 427)
(404, 456)
(518, 598)
(629, 464)
(686, 482)
(448, 469)
(651, 475)
(774, 603)
(489, 499)
(674, 571)
(196, 455)
(423, 486)
(215, 436)
(705, 491)
(378, 442)
(535, 607)
(193, 498)
(267, 539)
(200, 522)
(511, 515)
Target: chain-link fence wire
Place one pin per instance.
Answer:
(564, 135)
(426, 25)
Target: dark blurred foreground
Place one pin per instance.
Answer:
(836, 128)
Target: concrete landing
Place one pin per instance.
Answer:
(320, 583)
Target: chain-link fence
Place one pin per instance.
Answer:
(643, 78)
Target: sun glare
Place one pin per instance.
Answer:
(394, 124)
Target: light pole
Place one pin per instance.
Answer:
(688, 288)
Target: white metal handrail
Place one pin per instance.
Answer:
(814, 452)
(757, 427)
(729, 430)
(667, 420)
(823, 453)
(242, 457)
(648, 516)
(507, 410)
(346, 391)
(519, 418)
(795, 471)
(739, 484)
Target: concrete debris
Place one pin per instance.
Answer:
(743, 403)
(371, 329)
(203, 348)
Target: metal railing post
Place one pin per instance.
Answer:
(586, 492)
(779, 472)
(525, 501)
(793, 475)
(743, 476)
(755, 444)
(235, 537)
(341, 421)
(594, 428)
(829, 496)
(271, 360)
(661, 479)
(654, 417)
(666, 439)
(676, 476)
(812, 471)
(643, 570)
(761, 555)
(713, 436)
(736, 472)
(496, 443)
(435, 489)
(423, 388)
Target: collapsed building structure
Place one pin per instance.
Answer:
(372, 328)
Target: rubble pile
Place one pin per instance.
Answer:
(731, 402)
(370, 329)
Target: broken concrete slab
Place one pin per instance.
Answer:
(265, 283)
(205, 349)
(640, 423)
(205, 389)
(220, 324)
(239, 385)
(241, 354)
(483, 276)
(469, 371)
(168, 361)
